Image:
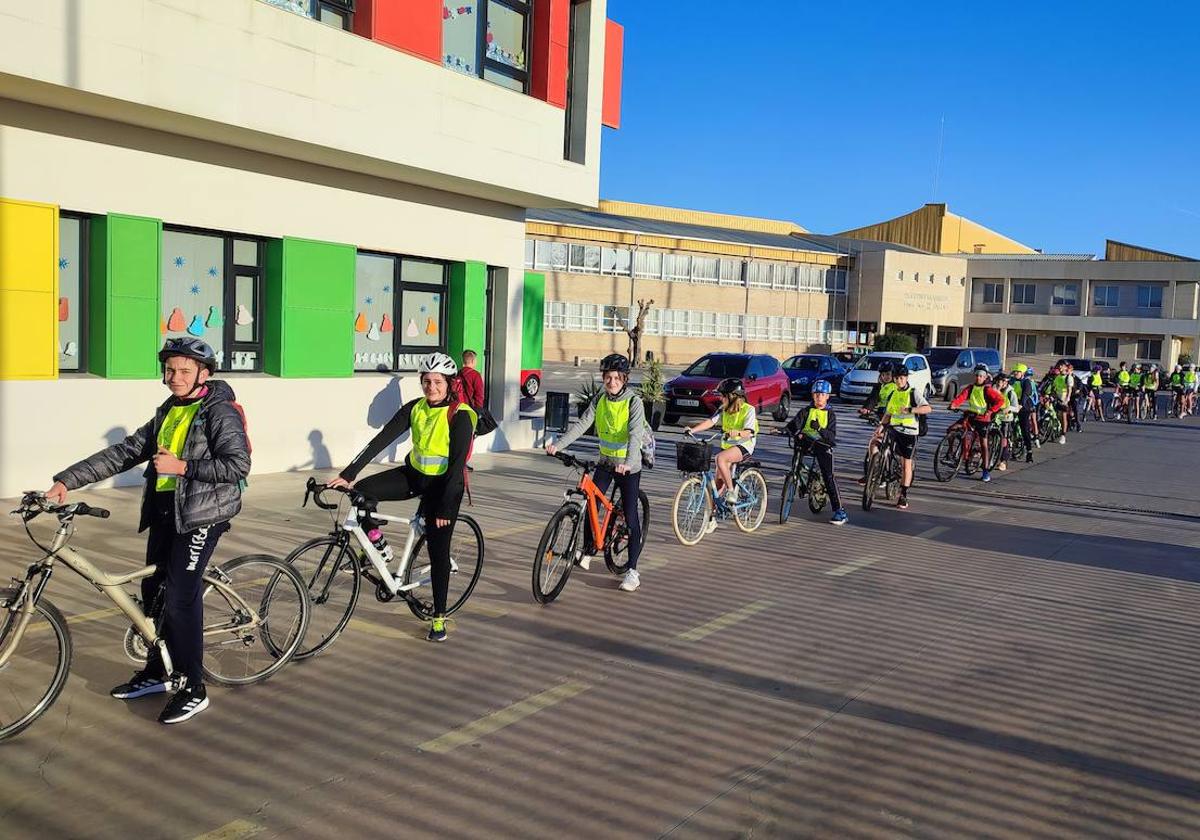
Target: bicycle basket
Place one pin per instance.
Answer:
(693, 456)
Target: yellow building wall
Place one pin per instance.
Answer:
(28, 290)
(931, 228)
(962, 236)
(699, 217)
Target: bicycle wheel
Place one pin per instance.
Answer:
(751, 507)
(947, 457)
(995, 447)
(616, 537)
(34, 676)
(691, 510)
(466, 565)
(818, 493)
(556, 552)
(789, 496)
(874, 473)
(329, 569)
(256, 611)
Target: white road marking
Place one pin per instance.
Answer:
(853, 566)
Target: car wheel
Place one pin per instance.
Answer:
(951, 392)
(531, 386)
(781, 410)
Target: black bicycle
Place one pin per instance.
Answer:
(803, 480)
(885, 471)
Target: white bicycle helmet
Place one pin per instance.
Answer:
(438, 363)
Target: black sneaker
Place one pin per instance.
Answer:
(140, 684)
(902, 502)
(186, 704)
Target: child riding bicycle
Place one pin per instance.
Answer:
(814, 430)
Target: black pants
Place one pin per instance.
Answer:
(179, 561)
(629, 485)
(1025, 422)
(406, 483)
(823, 455)
(1006, 433)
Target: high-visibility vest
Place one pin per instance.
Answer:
(818, 418)
(431, 437)
(172, 435)
(612, 427)
(898, 400)
(733, 422)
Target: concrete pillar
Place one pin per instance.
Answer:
(933, 335)
(1004, 337)
(1081, 344)
(1007, 294)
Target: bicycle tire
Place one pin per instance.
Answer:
(947, 457)
(58, 674)
(818, 493)
(874, 468)
(565, 560)
(995, 447)
(749, 518)
(693, 487)
(466, 557)
(788, 497)
(281, 635)
(616, 537)
(319, 582)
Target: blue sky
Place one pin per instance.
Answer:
(1065, 122)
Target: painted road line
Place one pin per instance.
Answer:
(517, 529)
(235, 830)
(80, 618)
(853, 566)
(507, 716)
(978, 512)
(930, 533)
(723, 621)
(380, 630)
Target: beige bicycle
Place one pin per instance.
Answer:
(256, 611)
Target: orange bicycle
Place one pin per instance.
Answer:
(588, 522)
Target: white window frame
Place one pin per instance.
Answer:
(1105, 289)
(1150, 290)
(1065, 294)
(1025, 344)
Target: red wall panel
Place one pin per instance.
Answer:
(550, 49)
(414, 26)
(614, 60)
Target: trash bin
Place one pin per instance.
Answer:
(558, 411)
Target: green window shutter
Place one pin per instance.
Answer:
(533, 320)
(308, 303)
(124, 333)
(467, 310)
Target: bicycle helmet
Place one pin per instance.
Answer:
(1019, 370)
(886, 367)
(822, 386)
(731, 387)
(437, 363)
(982, 368)
(614, 361)
(191, 348)
(1001, 377)
(900, 369)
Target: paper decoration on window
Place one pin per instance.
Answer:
(176, 323)
(196, 327)
(180, 262)
(243, 316)
(431, 327)
(220, 356)
(162, 325)
(360, 323)
(63, 263)
(214, 321)
(195, 289)
(64, 309)
(212, 271)
(373, 333)
(71, 349)
(411, 330)
(386, 326)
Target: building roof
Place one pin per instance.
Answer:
(1123, 251)
(1034, 257)
(856, 245)
(933, 228)
(698, 217)
(680, 230)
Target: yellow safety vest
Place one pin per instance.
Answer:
(818, 418)
(733, 422)
(1189, 377)
(1097, 379)
(899, 400)
(1061, 386)
(173, 435)
(1123, 377)
(431, 437)
(612, 427)
(884, 392)
(1012, 403)
(977, 401)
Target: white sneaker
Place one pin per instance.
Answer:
(1062, 438)
(585, 561)
(1037, 444)
(712, 526)
(631, 581)
(731, 496)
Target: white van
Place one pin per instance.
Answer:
(858, 382)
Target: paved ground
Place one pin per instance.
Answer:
(1008, 660)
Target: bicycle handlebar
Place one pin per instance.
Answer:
(34, 504)
(571, 461)
(313, 489)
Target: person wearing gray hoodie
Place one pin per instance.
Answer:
(620, 419)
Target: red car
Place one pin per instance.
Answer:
(694, 391)
(531, 382)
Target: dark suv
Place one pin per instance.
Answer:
(953, 368)
(695, 390)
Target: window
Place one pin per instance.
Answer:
(916, 363)
(1024, 293)
(1149, 349)
(1064, 345)
(584, 259)
(1106, 295)
(648, 264)
(205, 277)
(399, 310)
(677, 266)
(991, 340)
(993, 293)
(72, 292)
(529, 249)
(614, 318)
(705, 269)
(729, 325)
(335, 13)
(900, 274)
(489, 39)
(835, 281)
(1065, 294)
(551, 256)
(615, 261)
(731, 272)
(1026, 344)
(1150, 297)
(1107, 348)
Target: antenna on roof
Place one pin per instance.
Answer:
(937, 166)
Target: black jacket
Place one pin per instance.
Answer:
(828, 435)
(217, 455)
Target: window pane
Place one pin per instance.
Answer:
(245, 252)
(529, 253)
(506, 36)
(416, 271)
(374, 305)
(504, 81)
(591, 259)
(69, 301)
(193, 287)
(330, 16)
(460, 36)
(421, 316)
(246, 311)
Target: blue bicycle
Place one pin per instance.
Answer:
(698, 506)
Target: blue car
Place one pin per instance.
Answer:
(805, 369)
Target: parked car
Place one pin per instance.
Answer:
(531, 382)
(849, 358)
(953, 368)
(1083, 370)
(857, 384)
(694, 391)
(805, 369)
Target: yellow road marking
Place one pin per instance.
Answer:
(853, 566)
(380, 630)
(516, 529)
(235, 830)
(94, 615)
(723, 621)
(507, 716)
(930, 533)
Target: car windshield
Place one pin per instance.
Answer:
(873, 362)
(803, 363)
(940, 357)
(720, 367)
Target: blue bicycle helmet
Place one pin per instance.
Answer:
(822, 386)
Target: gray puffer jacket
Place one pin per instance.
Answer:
(217, 455)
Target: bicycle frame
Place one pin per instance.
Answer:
(352, 527)
(593, 501)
